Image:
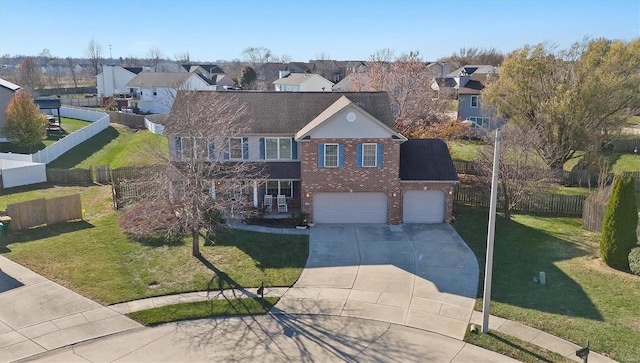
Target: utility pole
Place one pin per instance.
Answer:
(486, 298)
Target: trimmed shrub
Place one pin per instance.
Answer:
(619, 224)
(634, 261)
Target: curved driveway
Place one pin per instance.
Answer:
(417, 275)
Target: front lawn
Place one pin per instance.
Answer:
(94, 258)
(583, 300)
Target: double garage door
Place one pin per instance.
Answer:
(350, 208)
(419, 206)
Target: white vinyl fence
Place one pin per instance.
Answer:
(100, 121)
(154, 128)
(15, 173)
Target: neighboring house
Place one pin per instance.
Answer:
(7, 90)
(208, 70)
(302, 82)
(328, 69)
(154, 92)
(335, 156)
(113, 79)
(352, 83)
(466, 84)
(348, 67)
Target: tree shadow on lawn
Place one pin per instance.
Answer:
(42, 232)
(520, 253)
(79, 153)
(268, 250)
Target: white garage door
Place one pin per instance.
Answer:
(350, 208)
(423, 206)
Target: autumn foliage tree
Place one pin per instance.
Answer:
(407, 79)
(573, 99)
(25, 125)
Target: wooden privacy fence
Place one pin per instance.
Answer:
(538, 203)
(128, 119)
(594, 208)
(44, 211)
(582, 178)
(78, 176)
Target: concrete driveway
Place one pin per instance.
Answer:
(416, 275)
(38, 315)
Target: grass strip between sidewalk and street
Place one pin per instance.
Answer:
(203, 309)
(513, 347)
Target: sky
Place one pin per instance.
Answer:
(343, 30)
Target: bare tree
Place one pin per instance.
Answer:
(30, 74)
(71, 63)
(182, 57)
(155, 55)
(407, 79)
(94, 53)
(194, 190)
(256, 55)
(475, 55)
(521, 172)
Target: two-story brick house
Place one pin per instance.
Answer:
(336, 156)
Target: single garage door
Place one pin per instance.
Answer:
(423, 206)
(350, 208)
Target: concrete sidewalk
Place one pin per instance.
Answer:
(38, 315)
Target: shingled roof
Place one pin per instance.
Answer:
(426, 159)
(285, 112)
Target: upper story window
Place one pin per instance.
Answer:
(278, 148)
(369, 152)
(330, 155)
(235, 148)
(474, 101)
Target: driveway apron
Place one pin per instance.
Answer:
(418, 275)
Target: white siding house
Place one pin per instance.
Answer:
(302, 82)
(7, 90)
(156, 91)
(113, 79)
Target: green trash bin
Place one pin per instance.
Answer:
(5, 220)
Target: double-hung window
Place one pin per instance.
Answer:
(330, 155)
(278, 148)
(280, 187)
(474, 101)
(235, 148)
(369, 153)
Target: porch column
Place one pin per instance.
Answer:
(255, 194)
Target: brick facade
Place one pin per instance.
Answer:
(351, 178)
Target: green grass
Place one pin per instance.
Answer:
(626, 162)
(583, 298)
(69, 125)
(513, 347)
(118, 146)
(94, 258)
(203, 309)
(633, 120)
(465, 150)
(562, 190)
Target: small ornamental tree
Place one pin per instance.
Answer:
(25, 125)
(619, 224)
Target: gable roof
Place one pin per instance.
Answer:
(342, 103)
(158, 79)
(426, 159)
(134, 70)
(211, 68)
(285, 112)
(8, 85)
(298, 78)
(475, 69)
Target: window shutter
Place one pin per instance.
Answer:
(359, 155)
(379, 153)
(262, 148)
(225, 155)
(341, 155)
(320, 155)
(245, 148)
(212, 150)
(294, 149)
